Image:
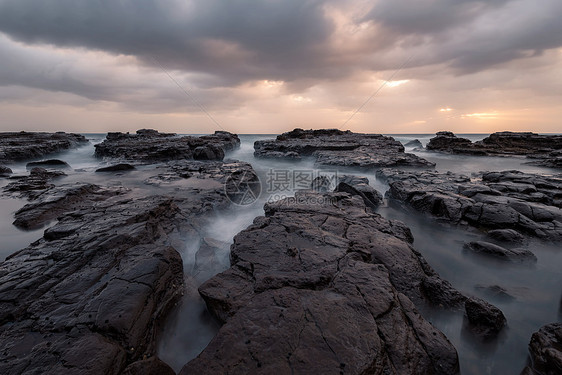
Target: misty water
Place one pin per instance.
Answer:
(536, 288)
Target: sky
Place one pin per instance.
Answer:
(396, 66)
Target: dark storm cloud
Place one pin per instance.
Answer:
(236, 40)
(472, 35)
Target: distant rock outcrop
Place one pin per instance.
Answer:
(150, 145)
(546, 149)
(26, 145)
(332, 147)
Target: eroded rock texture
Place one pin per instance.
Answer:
(546, 351)
(332, 147)
(321, 286)
(150, 145)
(25, 145)
(88, 297)
(525, 204)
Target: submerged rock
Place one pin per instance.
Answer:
(51, 163)
(498, 252)
(484, 319)
(546, 351)
(332, 147)
(415, 143)
(5, 171)
(319, 285)
(117, 168)
(25, 145)
(150, 145)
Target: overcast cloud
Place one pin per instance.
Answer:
(292, 62)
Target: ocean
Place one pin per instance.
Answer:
(536, 288)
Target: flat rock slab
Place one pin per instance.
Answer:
(498, 252)
(150, 145)
(320, 286)
(332, 147)
(26, 145)
(525, 204)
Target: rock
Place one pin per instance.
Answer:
(332, 147)
(498, 252)
(450, 143)
(51, 163)
(484, 319)
(321, 184)
(151, 366)
(546, 351)
(414, 144)
(116, 168)
(519, 202)
(508, 236)
(25, 145)
(360, 186)
(5, 171)
(90, 296)
(544, 148)
(150, 145)
(334, 291)
(38, 182)
(209, 152)
(496, 291)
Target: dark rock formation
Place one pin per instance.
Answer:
(150, 145)
(5, 171)
(117, 168)
(51, 163)
(527, 203)
(546, 351)
(32, 186)
(24, 145)
(547, 149)
(360, 186)
(321, 184)
(415, 143)
(89, 296)
(320, 286)
(496, 291)
(332, 147)
(484, 319)
(498, 252)
(508, 236)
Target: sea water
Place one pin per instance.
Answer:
(536, 289)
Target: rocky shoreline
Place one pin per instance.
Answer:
(320, 284)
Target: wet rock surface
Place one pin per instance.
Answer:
(320, 285)
(355, 185)
(150, 145)
(89, 297)
(545, 349)
(50, 163)
(5, 171)
(546, 149)
(485, 320)
(117, 168)
(525, 204)
(332, 147)
(25, 145)
(33, 185)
